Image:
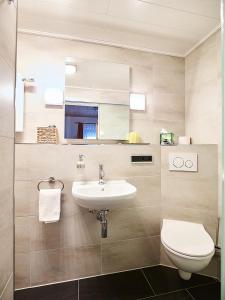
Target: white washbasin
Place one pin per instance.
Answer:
(111, 194)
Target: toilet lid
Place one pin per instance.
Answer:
(187, 238)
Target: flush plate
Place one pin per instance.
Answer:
(183, 162)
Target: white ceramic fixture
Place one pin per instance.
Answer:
(188, 245)
(110, 194)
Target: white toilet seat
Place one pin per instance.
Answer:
(187, 239)
(188, 256)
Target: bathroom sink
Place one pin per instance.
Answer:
(111, 194)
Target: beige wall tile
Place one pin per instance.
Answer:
(130, 254)
(148, 191)
(196, 194)
(8, 21)
(26, 198)
(8, 32)
(6, 97)
(22, 270)
(8, 292)
(43, 236)
(63, 264)
(6, 212)
(124, 224)
(22, 234)
(6, 163)
(202, 84)
(167, 81)
(80, 230)
(42, 158)
(6, 246)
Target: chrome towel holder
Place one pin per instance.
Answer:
(50, 180)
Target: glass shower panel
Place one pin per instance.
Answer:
(223, 147)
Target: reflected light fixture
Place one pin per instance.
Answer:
(53, 96)
(137, 101)
(70, 69)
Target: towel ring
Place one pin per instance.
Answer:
(50, 180)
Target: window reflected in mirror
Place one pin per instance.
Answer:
(81, 122)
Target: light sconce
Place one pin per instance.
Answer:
(53, 96)
(70, 69)
(137, 101)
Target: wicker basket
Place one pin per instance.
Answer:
(47, 135)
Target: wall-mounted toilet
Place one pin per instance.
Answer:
(188, 245)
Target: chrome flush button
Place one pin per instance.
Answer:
(178, 162)
(189, 163)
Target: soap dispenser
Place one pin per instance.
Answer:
(80, 162)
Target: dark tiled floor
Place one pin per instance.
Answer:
(61, 291)
(159, 283)
(121, 286)
(164, 280)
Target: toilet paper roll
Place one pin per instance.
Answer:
(184, 140)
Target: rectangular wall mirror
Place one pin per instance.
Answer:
(96, 100)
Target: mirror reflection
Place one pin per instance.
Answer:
(96, 100)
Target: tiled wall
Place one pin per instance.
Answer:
(7, 75)
(202, 92)
(161, 77)
(192, 196)
(73, 248)
(203, 97)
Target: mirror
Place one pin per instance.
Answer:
(96, 100)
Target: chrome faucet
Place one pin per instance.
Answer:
(101, 174)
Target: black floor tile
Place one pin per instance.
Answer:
(208, 292)
(165, 279)
(120, 286)
(62, 291)
(180, 295)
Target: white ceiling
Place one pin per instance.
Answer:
(165, 26)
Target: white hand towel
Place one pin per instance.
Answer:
(49, 205)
